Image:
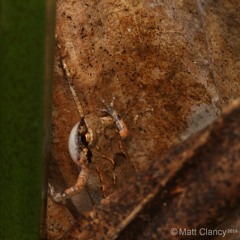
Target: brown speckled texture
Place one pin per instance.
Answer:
(152, 57)
(64, 117)
(171, 65)
(176, 192)
(221, 23)
(58, 221)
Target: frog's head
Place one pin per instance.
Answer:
(81, 137)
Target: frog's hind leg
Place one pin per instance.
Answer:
(78, 187)
(80, 183)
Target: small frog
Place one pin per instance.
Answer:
(96, 146)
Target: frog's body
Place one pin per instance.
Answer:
(97, 148)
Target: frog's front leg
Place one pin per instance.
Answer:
(79, 185)
(120, 124)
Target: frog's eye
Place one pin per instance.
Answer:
(88, 137)
(84, 139)
(80, 137)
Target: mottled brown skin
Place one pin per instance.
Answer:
(112, 166)
(110, 172)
